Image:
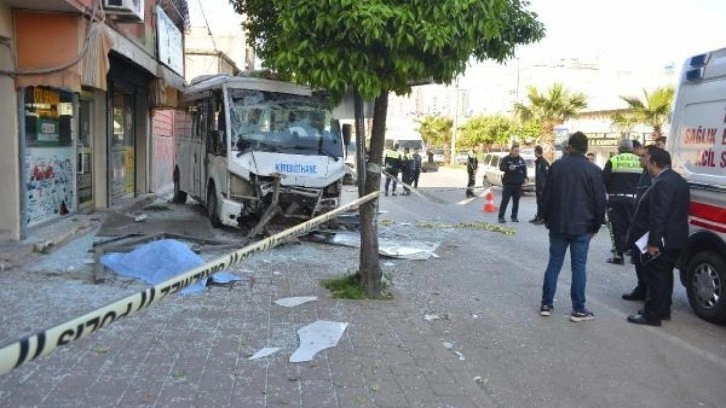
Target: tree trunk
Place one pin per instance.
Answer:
(548, 142)
(370, 267)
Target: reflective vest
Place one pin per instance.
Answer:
(623, 175)
(392, 160)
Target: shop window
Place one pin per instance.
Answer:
(49, 154)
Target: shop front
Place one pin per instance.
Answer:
(49, 154)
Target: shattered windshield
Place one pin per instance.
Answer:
(275, 122)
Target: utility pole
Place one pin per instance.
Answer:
(456, 122)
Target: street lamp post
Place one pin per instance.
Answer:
(456, 122)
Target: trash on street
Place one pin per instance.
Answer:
(295, 301)
(264, 352)
(317, 337)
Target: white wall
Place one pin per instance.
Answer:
(9, 165)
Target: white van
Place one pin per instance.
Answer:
(697, 142)
(255, 143)
(493, 176)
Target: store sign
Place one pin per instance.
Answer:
(603, 142)
(170, 42)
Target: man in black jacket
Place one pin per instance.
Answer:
(573, 207)
(472, 164)
(541, 167)
(662, 219)
(515, 173)
(638, 293)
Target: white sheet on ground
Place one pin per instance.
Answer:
(317, 337)
(295, 301)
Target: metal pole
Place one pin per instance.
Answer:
(456, 122)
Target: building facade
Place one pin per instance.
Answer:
(80, 84)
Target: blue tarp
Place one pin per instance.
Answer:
(159, 261)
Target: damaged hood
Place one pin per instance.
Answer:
(298, 170)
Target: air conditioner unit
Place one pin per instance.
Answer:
(127, 9)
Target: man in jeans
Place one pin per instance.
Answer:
(573, 207)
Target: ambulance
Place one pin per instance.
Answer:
(697, 142)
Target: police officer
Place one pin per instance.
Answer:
(392, 163)
(621, 175)
(541, 168)
(472, 164)
(406, 170)
(514, 175)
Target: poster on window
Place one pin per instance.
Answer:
(49, 183)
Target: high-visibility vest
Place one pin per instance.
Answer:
(626, 163)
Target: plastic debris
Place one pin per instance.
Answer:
(447, 345)
(431, 317)
(317, 337)
(140, 217)
(264, 352)
(296, 301)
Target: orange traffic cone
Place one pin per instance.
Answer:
(489, 203)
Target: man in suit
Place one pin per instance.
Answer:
(573, 207)
(662, 213)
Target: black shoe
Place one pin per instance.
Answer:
(394, 194)
(534, 220)
(515, 219)
(634, 295)
(640, 319)
(386, 193)
(615, 259)
(502, 220)
(539, 222)
(666, 316)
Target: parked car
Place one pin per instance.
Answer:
(461, 157)
(438, 155)
(493, 176)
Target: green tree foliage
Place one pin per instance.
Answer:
(653, 110)
(483, 129)
(550, 108)
(436, 131)
(379, 46)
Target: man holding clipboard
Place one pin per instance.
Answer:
(660, 232)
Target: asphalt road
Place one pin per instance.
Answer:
(489, 287)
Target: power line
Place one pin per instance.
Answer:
(209, 30)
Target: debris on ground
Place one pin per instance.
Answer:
(317, 337)
(468, 225)
(295, 301)
(43, 247)
(140, 217)
(450, 346)
(264, 352)
(412, 250)
(435, 316)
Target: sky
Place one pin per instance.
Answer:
(623, 34)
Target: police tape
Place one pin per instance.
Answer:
(438, 190)
(18, 352)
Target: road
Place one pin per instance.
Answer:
(485, 287)
(529, 360)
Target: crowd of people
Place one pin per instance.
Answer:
(646, 203)
(407, 164)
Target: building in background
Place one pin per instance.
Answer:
(79, 83)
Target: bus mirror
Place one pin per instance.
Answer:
(347, 136)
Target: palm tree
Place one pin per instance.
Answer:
(653, 110)
(550, 108)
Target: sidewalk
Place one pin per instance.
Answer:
(193, 350)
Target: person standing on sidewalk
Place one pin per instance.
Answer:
(515, 174)
(662, 216)
(541, 168)
(638, 293)
(573, 210)
(621, 175)
(472, 164)
(416, 171)
(406, 170)
(392, 164)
